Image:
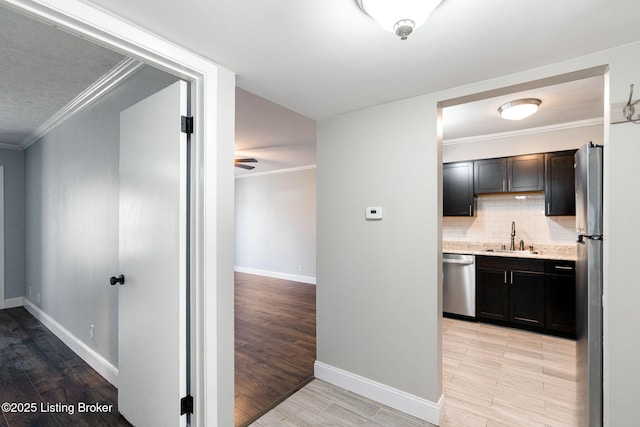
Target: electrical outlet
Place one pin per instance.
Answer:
(92, 332)
(29, 290)
(300, 268)
(38, 297)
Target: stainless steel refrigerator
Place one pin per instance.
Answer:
(588, 161)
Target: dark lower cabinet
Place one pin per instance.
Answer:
(510, 290)
(531, 294)
(526, 298)
(492, 293)
(560, 295)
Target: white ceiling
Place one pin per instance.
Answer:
(277, 137)
(42, 69)
(319, 58)
(573, 103)
(325, 57)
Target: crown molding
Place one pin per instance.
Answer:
(8, 146)
(105, 84)
(530, 131)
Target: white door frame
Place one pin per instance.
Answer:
(213, 108)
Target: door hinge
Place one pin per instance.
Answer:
(187, 124)
(186, 405)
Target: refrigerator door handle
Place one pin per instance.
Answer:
(581, 237)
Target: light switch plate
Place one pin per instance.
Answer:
(373, 212)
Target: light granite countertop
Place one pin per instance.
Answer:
(553, 252)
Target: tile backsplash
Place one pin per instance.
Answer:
(494, 214)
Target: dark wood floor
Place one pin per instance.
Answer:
(275, 342)
(37, 368)
(275, 348)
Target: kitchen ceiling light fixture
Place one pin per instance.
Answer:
(519, 109)
(399, 16)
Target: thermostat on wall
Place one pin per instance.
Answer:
(373, 212)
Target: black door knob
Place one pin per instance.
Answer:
(120, 279)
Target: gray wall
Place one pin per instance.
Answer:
(276, 223)
(72, 193)
(378, 310)
(13, 162)
(377, 296)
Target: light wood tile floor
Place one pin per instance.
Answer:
(492, 377)
(322, 404)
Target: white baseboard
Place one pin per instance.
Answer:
(93, 359)
(397, 399)
(13, 302)
(286, 276)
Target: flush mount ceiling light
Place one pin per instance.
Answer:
(519, 109)
(399, 16)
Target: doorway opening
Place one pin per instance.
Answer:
(275, 255)
(493, 367)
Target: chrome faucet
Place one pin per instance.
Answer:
(513, 236)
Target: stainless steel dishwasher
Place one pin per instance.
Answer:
(459, 285)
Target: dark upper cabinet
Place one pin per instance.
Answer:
(490, 176)
(457, 189)
(510, 174)
(559, 188)
(525, 173)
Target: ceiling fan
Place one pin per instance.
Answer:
(239, 163)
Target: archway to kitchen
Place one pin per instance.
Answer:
(512, 360)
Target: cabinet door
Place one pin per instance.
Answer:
(490, 176)
(526, 298)
(457, 189)
(561, 304)
(560, 296)
(559, 183)
(492, 293)
(525, 173)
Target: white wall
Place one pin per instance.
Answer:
(72, 197)
(276, 224)
(515, 145)
(379, 283)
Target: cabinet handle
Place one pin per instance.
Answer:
(505, 278)
(512, 277)
(504, 184)
(562, 267)
(509, 185)
(470, 212)
(548, 208)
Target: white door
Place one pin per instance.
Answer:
(153, 260)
